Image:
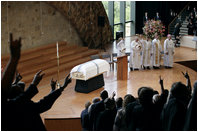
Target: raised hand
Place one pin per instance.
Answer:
(186, 75)
(161, 80)
(15, 47)
(18, 78)
(37, 78)
(113, 94)
(53, 84)
(188, 82)
(67, 81)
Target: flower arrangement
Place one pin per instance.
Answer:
(152, 27)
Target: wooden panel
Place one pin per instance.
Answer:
(65, 124)
(122, 68)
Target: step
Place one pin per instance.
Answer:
(46, 65)
(35, 53)
(183, 28)
(35, 50)
(183, 32)
(49, 72)
(184, 24)
(53, 63)
(52, 56)
(40, 55)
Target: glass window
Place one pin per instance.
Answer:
(127, 10)
(128, 29)
(105, 4)
(116, 12)
(116, 29)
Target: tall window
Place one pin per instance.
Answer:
(128, 24)
(105, 4)
(116, 12)
(116, 17)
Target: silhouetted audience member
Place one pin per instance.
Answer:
(145, 115)
(94, 100)
(191, 17)
(106, 118)
(190, 27)
(119, 102)
(174, 111)
(160, 100)
(120, 120)
(7, 79)
(96, 109)
(26, 115)
(85, 117)
(19, 112)
(191, 115)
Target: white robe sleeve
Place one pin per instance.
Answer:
(165, 46)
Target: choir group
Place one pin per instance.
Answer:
(146, 54)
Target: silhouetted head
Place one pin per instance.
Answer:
(146, 95)
(95, 100)
(87, 104)
(128, 99)
(139, 90)
(109, 103)
(119, 102)
(156, 98)
(104, 94)
(180, 91)
(195, 85)
(155, 92)
(16, 90)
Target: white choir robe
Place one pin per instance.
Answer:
(135, 56)
(143, 42)
(121, 48)
(168, 48)
(146, 55)
(156, 51)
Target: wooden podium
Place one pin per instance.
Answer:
(122, 68)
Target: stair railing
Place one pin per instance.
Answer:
(177, 16)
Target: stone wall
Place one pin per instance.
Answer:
(38, 23)
(83, 15)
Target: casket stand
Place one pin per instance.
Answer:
(89, 75)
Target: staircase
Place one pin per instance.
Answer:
(183, 29)
(44, 58)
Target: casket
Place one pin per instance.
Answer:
(89, 75)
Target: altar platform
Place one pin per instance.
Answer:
(68, 107)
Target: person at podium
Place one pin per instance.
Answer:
(136, 54)
(121, 47)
